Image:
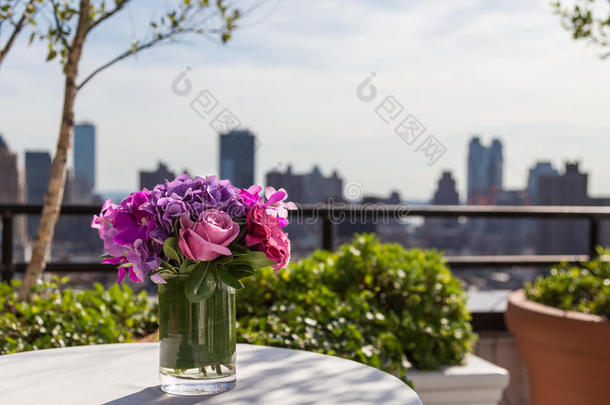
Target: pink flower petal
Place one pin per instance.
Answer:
(133, 275)
(157, 278)
(269, 191)
(276, 197)
(201, 249)
(214, 233)
(185, 222)
(290, 205)
(254, 189)
(183, 245)
(121, 274)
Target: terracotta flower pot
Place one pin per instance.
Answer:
(567, 354)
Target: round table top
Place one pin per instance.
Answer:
(122, 374)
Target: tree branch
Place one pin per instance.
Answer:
(59, 25)
(18, 27)
(156, 41)
(109, 14)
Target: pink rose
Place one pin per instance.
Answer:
(209, 237)
(265, 234)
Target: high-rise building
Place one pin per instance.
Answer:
(485, 168)
(567, 188)
(540, 169)
(9, 175)
(12, 192)
(444, 232)
(237, 157)
(496, 162)
(37, 172)
(307, 188)
(446, 192)
(84, 162)
(150, 179)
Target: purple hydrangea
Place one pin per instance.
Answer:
(191, 196)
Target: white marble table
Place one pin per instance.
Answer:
(126, 374)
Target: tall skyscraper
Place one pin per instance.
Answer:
(485, 166)
(567, 188)
(12, 192)
(446, 192)
(237, 157)
(150, 179)
(496, 162)
(9, 175)
(539, 170)
(306, 188)
(37, 171)
(84, 162)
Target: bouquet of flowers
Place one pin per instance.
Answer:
(201, 227)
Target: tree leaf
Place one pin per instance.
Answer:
(52, 54)
(170, 248)
(202, 282)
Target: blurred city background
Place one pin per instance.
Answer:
(545, 184)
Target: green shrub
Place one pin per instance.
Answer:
(60, 317)
(580, 288)
(375, 303)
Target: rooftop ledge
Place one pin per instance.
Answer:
(477, 382)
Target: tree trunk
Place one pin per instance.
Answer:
(57, 178)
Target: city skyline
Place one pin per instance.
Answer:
(484, 171)
(524, 80)
(544, 185)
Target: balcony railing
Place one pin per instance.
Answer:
(331, 214)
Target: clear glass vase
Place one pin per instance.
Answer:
(197, 340)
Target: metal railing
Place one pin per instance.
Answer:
(331, 214)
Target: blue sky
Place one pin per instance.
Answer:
(503, 69)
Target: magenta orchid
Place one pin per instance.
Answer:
(275, 204)
(275, 201)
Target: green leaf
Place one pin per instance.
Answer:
(170, 248)
(253, 259)
(240, 272)
(187, 266)
(228, 279)
(166, 265)
(52, 54)
(225, 260)
(202, 281)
